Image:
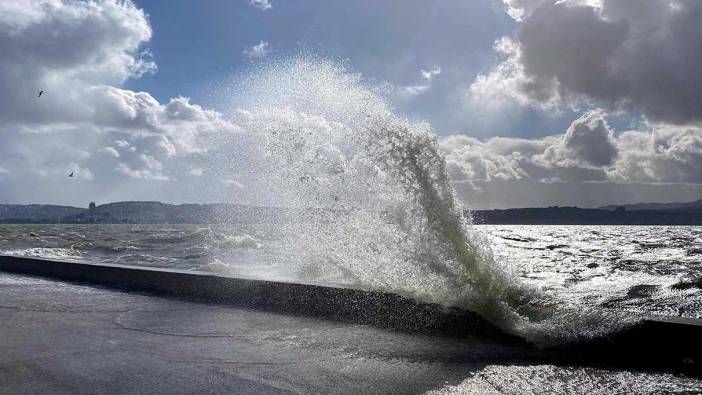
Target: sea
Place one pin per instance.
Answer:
(645, 269)
(639, 269)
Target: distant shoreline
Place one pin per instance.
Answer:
(151, 212)
(580, 216)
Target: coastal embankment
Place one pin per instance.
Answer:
(662, 344)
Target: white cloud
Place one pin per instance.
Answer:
(667, 154)
(233, 182)
(65, 48)
(111, 151)
(627, 55)
(587, 142)
(429, 74)
(258, 51)
(262, 5)
(150, 162)
(81, 173)
(507, 84)
(521, 9)
(80, 53)
(588, 151)
(140, 174)
(407, 92)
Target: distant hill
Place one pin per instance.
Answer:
(36, 212)
(139, 212)
(633, 214)
(150, 212)
(696, 205)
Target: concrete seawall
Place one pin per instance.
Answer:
(659, 343)
(380, 309)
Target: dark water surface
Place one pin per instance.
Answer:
(636, 268)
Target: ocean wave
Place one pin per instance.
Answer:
(216, 266)
(45, 252)
(242, 241)
(386, 215)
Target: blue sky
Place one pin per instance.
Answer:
(198, 45)
(534, 102)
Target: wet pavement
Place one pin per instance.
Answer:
(60, 337)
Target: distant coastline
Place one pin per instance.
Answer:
(620, 215)
(136, 212)
(151, 212)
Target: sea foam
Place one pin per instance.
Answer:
(372, 202)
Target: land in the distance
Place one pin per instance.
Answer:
(149, 212)
(137, 212)
(632, 214)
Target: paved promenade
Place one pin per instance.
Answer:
(60, 337)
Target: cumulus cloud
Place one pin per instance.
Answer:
(429, 75)
(111, 151)
(80, 172)
(587, 142)
(144, 174)
(65, 48)
(407, 92)
(507, 84)
(80, 53)
(666, 154)
(588, 151)
(632, 55)
(258, 51)
(262, 5)
(520, 9)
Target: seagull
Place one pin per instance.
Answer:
(40, 93)
(71, 175)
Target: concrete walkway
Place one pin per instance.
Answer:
(58, 337)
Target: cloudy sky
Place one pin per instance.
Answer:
(536, 102)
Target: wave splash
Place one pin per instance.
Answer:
(46, 252)
(372, 203)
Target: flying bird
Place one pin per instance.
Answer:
(71, 175)
(40, 93)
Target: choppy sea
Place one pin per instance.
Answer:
(652, 269)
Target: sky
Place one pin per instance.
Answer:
(534, 102)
